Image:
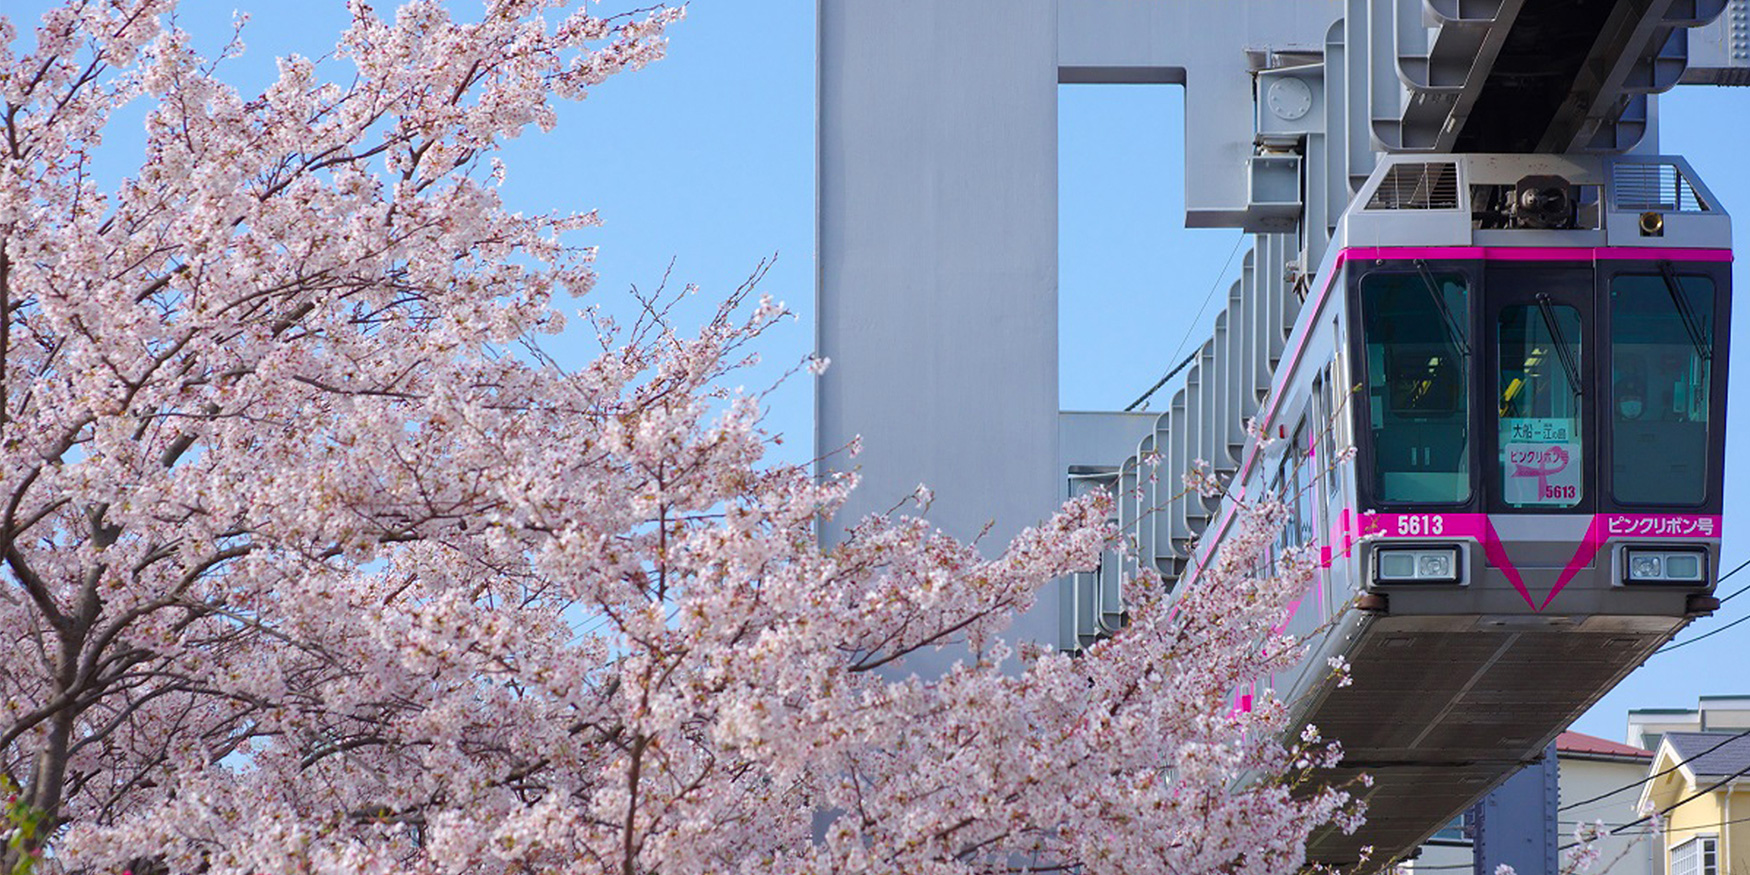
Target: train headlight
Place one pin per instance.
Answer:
(1415, 564)
(1434, 565)
(1645, 566)
(1676, 566)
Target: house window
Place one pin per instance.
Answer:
(1455, 834)
(1698, 856)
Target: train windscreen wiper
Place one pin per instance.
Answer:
(1564, 351)
(1453, 330)
(1691, 323)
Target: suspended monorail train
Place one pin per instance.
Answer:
(1527, 355)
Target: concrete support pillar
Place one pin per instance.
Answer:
(1516, 823)
(938, 260)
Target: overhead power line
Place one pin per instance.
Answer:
(1740, 590)
(1679, 803)
(1673, 646)
(1711, 824)
(1190, 327)
(1711, 633)
(1679, 764)
(1162, 381)
(1622, 828)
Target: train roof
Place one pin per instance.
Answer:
(1440, 200)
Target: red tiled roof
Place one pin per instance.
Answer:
(1576, 742)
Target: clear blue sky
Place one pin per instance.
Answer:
(707, 159)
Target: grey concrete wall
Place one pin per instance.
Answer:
(1210, 48)
(937, 290)
(937, 225)
(1099, 437)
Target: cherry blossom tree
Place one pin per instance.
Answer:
(316, 562)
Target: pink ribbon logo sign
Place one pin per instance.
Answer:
(1531, 463)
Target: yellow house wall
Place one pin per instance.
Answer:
(1698, 817)
(1738, 837)
(1711, 815)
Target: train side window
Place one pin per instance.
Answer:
(1418, 385)
(1336, 439)
(1279, 487)
(1661, 340)
(1306, 481)
(1320, 449)
(1542, 462)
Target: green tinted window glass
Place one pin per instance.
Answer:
(1417, 386)
(1541, 366)
(1659, 382)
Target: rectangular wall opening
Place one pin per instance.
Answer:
(1131, 277)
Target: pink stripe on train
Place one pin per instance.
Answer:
(1603, 528)
(1537, 253)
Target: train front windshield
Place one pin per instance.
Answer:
(1661, 370)
(1418, 385)
(1539, 387)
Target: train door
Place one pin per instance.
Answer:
(1323, 461)
(1538, 456)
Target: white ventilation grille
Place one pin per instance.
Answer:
(1655, 187)
(1430, 185)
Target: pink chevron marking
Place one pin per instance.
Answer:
(1589, 546)
(1619, 525)
(1497, 554)
(1451, 525)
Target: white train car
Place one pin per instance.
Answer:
(1527, 354)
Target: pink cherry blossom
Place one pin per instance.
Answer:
(315, 562)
